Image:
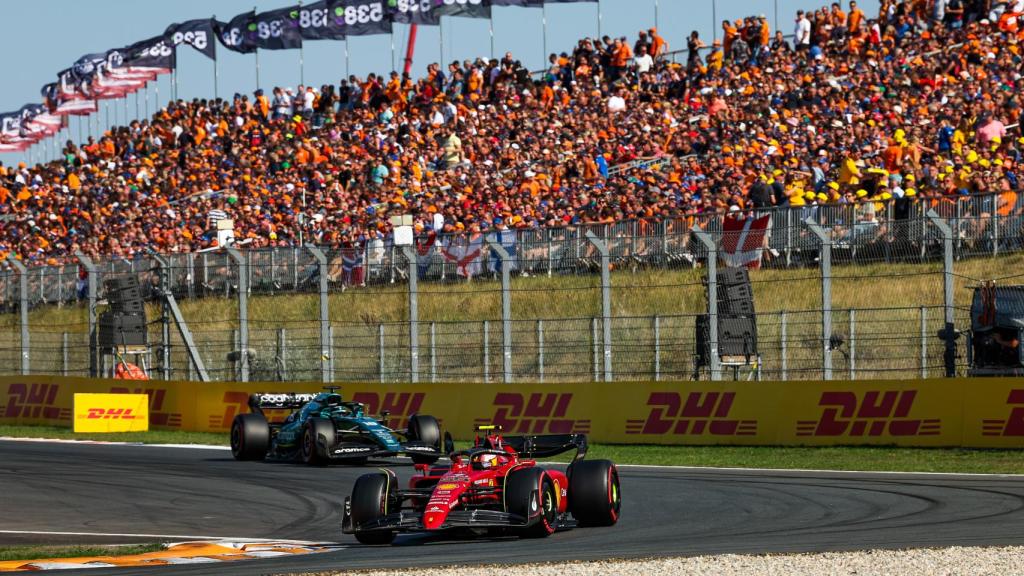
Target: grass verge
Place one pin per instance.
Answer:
(151, 437)
(8, 553)
(862, 458)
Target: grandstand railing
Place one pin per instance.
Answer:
(887, 275)
(980, 230)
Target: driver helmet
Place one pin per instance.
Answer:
(489, 461)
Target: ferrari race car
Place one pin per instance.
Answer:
(322, 428)
(494, 487)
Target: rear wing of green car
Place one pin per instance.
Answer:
(261, 401)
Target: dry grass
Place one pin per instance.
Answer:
(886, 297)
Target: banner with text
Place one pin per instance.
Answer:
(976, 413)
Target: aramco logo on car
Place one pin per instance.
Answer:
(691, 414)
(871, 413)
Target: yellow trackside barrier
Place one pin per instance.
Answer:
(111, 412)
(987, 412)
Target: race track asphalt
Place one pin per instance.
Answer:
(89, 488)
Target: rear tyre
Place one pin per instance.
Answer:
(371, 501)
(531, 494)
(250, 437)
(423, 428)
(594, 495)
(311, 451)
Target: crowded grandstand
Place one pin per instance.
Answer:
(919, 103)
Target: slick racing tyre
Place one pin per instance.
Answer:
(531, 494)
(250, 437)
(423, 428)
(594, 495)
(371, 499)
(311, 451)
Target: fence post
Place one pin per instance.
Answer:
(243, 311)
(23, 314)
(330, 360)
(506, 308)
(487, 351)
(165, 316)
(713, 358)
(593, 339)
(380, 351)
(540, 350)
(853, 344)
(91, 276)
(657, 348)
(949, 356)
(826, 295)
(784, 352)
(924, 342)
(606, 301)
(433, 352)
(64, 353)
(414, 312)
(325, 319)
(282, 355)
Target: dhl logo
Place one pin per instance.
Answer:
(400, 405)
(1012, 426)
(536, 413)
(34, 401)
(879, 413)
(157, 415)
(699, 414)
(111, 414)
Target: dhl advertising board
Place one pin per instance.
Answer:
(111, 412)
(985, 412)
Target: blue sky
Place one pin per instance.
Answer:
(72, 28)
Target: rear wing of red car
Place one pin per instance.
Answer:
(548, 445)
(261, 401)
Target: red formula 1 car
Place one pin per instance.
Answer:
(494, 487)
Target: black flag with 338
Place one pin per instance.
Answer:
(198, 34)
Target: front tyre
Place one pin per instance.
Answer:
(370, 502)
(531, 494)
(594, 495)
(250, 437)
(312, 452)
(425, 429)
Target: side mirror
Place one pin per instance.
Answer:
(384, 414)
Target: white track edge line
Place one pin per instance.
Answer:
(652, 466)
(245, 540)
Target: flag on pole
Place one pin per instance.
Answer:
(318, 21)
(466, 253)
(426, 247)
(519, 3)
(70, 98)
(353, 264)
(198, 34)
(278, 29)
(462, 8)
(507, 240)
(238, 34)
(743, 241)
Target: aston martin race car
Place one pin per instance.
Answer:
(321, 428)
(494, 487)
